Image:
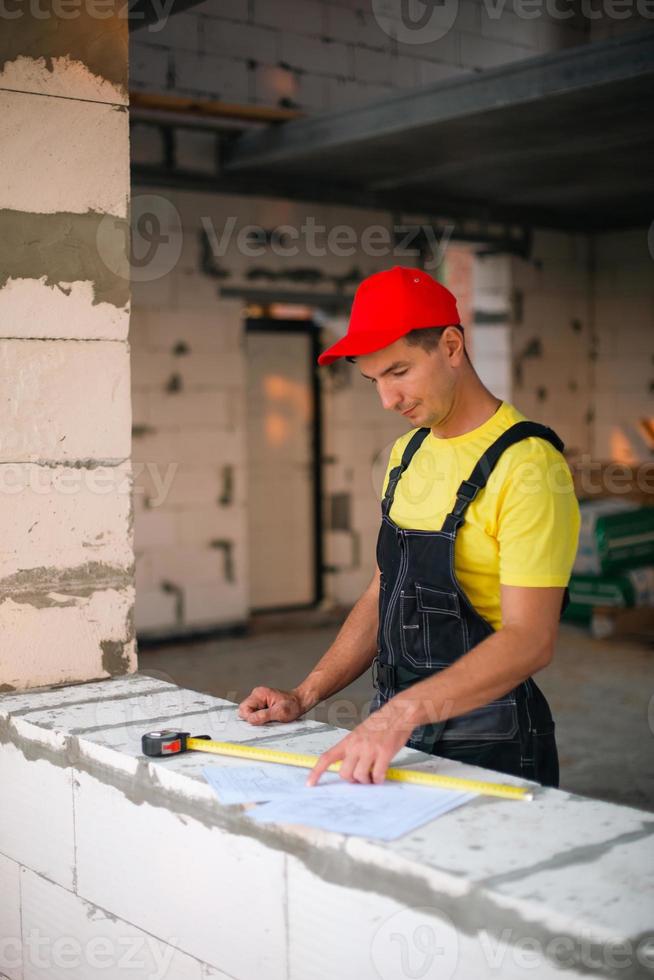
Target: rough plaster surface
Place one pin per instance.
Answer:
(32, 307)
(86, 171)
(60, 637)
(64, 401)
(59, 251)
(63, 517)
(86, 60)
(488, 877)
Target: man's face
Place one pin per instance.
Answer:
(416, 383)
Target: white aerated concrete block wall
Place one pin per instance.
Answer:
(189, 377)
(317, 55)
(144, 873)
(66, 565)
(624, 326)
(582, 350)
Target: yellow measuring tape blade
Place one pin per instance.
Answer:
(400, 775)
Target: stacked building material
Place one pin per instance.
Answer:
(614, 566)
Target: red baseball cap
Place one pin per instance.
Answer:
(389, 304)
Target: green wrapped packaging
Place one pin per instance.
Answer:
(634, 587)
(614, 535)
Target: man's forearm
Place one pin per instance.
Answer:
(350, 654)
(488, 671)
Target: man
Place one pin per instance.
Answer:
(478, 537)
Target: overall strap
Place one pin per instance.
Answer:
(412, 447)
(477, 480)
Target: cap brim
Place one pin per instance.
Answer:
(347, 347)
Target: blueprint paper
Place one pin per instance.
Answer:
(257, 784)
(381, 812)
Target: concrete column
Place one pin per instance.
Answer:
(66, 558)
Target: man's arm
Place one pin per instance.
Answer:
(348, 657)
(524, 645)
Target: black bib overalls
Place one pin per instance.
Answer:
(426, 622)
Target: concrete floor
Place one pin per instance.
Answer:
(601, 693)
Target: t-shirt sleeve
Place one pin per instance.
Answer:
(537, 518)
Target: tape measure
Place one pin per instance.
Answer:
(170, 742)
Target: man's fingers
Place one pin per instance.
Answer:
(379, 769)
(259, 717)
(325, 760)
(361, 771)
(259, 698)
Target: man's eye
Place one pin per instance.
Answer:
(398, 374)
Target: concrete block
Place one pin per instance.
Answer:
(146, 144)
(404, 72)
(345, 94)
(164, 449)
(204, 524)
(478, 52)
(300, 16)
(11, 946)
(157, 294)
(194, 485)
(355, 25)
(431, 72)
(183, 31)
(444, 49)
(154, 528)
(187, 565)
(66, 401)
(41, 797)
(148, 66)
(60, 637)
(154, 610)
(222, 37)
(315, 55)
(57, 519)
(373, 66)
(81, 145)
(32, 308)
(509, 27)
(196, 151)
(222, 602)
(211, 408)
(219, 78)
(117, 842)
(77, 58)
(68, 937)
(230, 9)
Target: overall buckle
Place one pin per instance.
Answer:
(383, 675)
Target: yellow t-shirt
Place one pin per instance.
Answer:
(522, 529)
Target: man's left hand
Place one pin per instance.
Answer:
(367, 751)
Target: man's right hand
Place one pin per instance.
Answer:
(266, 704)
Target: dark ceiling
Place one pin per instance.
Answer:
(563, 140)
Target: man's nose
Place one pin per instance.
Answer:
(389, 396)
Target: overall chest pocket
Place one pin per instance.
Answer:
(432, 632)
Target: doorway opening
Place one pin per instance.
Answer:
(284, 464)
